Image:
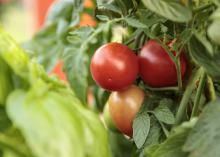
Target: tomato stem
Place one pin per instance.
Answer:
(211, 89)
(163, 89)
(176, 62)
(186, 96)
(198, 94)
(166, 132)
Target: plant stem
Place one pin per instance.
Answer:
(211, 89)
(163, 89)
(198, 94)
(186, 96)
(176, 62)
(166, 132)
(202, 7)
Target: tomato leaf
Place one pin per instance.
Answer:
(141, 124)
(164, 114)
(203, 140)
(82, 45)
(155, 133)
(172, 147)
(134, 22)
(169, 9)
(202, 56)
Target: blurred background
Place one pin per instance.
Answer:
(22, 18)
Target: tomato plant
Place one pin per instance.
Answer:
(123, 107)
(155, 63)
(156, 66)
(112, 61)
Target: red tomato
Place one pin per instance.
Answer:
(114, 66)
(156, 67)
(58, 71)
(123, 107)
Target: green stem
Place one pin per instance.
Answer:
(186, 96)
(176, 62)
(163, 89)
(211, 89)
(166, 132)
(198, 94)
(206, 6)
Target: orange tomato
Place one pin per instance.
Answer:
(88, 4)
(87, 20)
(58, 71)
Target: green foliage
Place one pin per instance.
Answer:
(172, 146)
(52, 120)
(203, 140)
(169, 9)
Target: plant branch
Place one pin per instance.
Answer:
(198, 94)
(186, 96)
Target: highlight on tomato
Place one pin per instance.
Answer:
(114, 66)
(123, 107)
(156, 67)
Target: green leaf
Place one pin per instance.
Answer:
(204, 140)
(213, 31)
(172, 147)
(203, 57)
(141, 123)
(76, 57)
(4, 120)
(13, 55)
(12, 141)
(141, 127)
(169, 9)
(58, 122)
(164, 114)
(77, 72)
(155, 133)
(134, 22)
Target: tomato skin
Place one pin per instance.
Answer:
(58, 71)
(156, 67)
(114, 66)
(123, 107)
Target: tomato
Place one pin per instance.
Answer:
(58, 71)
(123, 107)
(88, 4)
(114, 66)
(156, 67)
(87, 20)
(108, 120)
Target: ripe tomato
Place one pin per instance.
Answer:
(156, 67)
(87, 20)
(58, 71)
(123, 107)
(114, 66)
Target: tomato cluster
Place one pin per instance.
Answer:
(115, 67)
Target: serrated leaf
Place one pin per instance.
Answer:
(102, 17)
(204, 58)
(141, 127)
(134, 22)
(204, 139)
(155, 133)
(171, 9)
(141, 123)
(213, 31)
(164, 114)
(172, 147)
(76, 66)
(111, 7)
